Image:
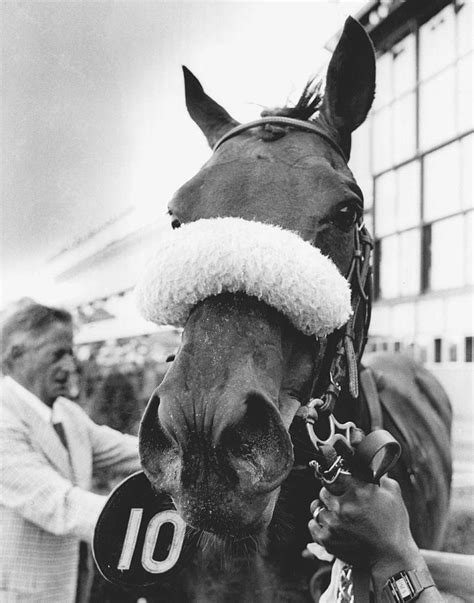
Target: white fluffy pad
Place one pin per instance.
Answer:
(209, 257)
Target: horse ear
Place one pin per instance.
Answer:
(213, 119)
(350, 83)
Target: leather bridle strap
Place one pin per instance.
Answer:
(278, 120)
(349, 349)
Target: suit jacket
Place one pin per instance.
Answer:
(45, 505)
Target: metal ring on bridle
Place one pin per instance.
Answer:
(337, 431)
(329, 476)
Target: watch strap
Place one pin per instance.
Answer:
(406, 585)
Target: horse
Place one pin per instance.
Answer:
(225, 434)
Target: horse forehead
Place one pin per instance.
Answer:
(264, 177)
(294, 151)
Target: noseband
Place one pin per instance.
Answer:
(347, 342)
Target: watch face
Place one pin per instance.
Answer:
(403, 587)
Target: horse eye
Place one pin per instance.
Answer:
(175, 223)
(346, 217)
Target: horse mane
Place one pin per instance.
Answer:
(307, 105)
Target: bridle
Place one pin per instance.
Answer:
(347, 342)
(278, 120)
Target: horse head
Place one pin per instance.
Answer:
(215, 435)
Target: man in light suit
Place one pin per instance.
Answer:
(49, 451)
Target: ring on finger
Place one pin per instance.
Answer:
(316, 515)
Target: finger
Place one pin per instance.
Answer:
(317, 513)
(314, 505)
(317, 532)
(329, 500)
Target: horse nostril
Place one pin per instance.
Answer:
(259, 412)
(258, 444)
(153, 436)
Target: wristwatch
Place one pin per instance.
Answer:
(406, 585)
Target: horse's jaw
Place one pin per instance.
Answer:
(213, 436)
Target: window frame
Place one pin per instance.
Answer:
(417, 157)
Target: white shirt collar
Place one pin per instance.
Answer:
(44, 411)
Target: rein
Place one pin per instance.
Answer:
(343, 367)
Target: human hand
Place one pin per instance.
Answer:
(364, 524)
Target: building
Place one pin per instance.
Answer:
(414, 160)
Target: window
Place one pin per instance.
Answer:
(423, 354)
(383, 92)
(437, 109)
(464, 97)
(421, 168)
(466, 160)
(437, 350)
(389, 267)
(404, 128)
(426, 257)
(468, 251)
(464, 33)
(409, 247)
(400, 257)
(468, 349)
(360, 162)
(441, 182)
(437, 43)
(369, 223)
(385, 212)
(452, 352)
(404, 66)
(408, 195)
(447, 253)
(377, 259)
(382, 140)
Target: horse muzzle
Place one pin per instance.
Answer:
(223, 476)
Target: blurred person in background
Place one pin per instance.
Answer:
(116, 404)
(49, 452)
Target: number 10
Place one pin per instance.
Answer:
(151, 536)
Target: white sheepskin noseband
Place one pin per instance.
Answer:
(209, 257)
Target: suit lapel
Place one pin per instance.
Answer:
(45, 436)
(79, 452)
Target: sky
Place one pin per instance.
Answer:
(93, 121)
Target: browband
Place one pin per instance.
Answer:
(279, 120)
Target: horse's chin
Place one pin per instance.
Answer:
(227, 523)
(228, 554)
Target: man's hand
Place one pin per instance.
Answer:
(367, 525)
